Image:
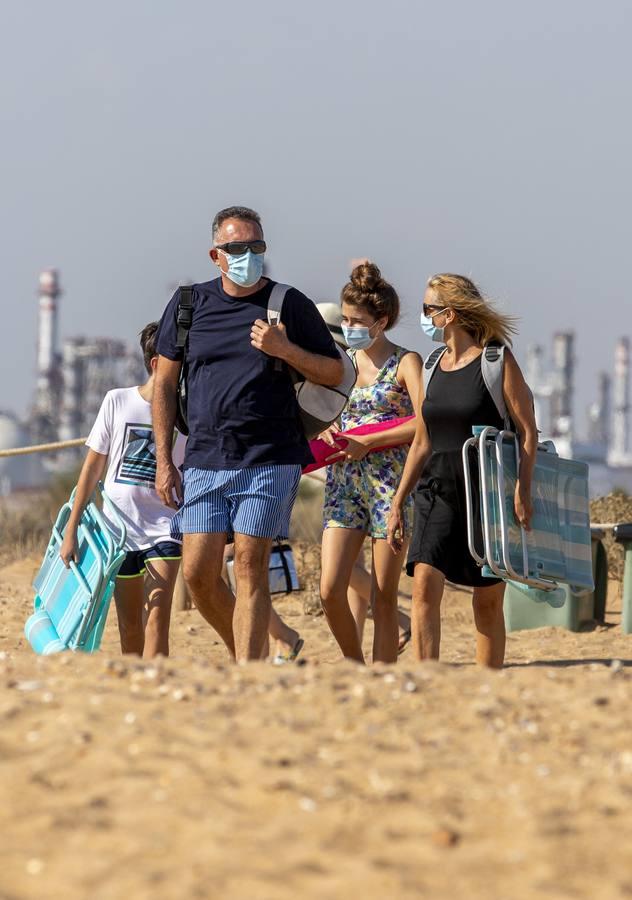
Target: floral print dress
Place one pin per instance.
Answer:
(359, 493)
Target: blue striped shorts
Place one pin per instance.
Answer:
(257, 501)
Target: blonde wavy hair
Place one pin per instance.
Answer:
(474, 312)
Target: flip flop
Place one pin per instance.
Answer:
(281, 658)
(404, 641)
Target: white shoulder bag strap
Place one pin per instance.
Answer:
(275, 303)
(275, 306)
(492, 365)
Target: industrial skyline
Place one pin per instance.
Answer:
(72, 377)
(71, 382)
(606, 435)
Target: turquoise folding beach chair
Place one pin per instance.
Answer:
(557, 550)
(71, 605)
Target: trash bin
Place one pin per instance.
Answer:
(578, 608)
(623, 535)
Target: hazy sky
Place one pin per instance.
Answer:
(489, 138)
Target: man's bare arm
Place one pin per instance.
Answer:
(163, 413)
(273, 340)
(316, 368)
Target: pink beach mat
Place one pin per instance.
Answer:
(322, 451)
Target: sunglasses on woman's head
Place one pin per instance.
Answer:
(236, 248)
(431, 307)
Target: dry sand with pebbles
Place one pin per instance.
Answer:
(193, 778)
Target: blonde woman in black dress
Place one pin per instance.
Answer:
(455, 313)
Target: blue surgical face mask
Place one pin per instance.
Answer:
(431, 330)
(245, 269)
(358, 337)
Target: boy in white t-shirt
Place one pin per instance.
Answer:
(122, 437)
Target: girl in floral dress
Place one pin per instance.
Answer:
(361, 481)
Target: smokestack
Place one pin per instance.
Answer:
(603, 402)
(599, 413)
(44, 423)
(49, 292)
(621, 423)
(562, 398)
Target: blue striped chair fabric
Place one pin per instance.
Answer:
(71, 605)
(558, 547)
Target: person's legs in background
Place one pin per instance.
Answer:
(359, 596)
(287, 639)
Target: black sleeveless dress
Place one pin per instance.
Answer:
(455, 401)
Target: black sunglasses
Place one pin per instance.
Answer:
(236, 248)
(427, 307)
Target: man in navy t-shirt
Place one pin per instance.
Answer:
(246, 446)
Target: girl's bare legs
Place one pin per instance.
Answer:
(404, 629)
(359, 596)
(160, 580)
(489, 619)
(339, 552)
(129, 597)
(426, 611)
(387, 570)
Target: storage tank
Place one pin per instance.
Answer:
(17, 472)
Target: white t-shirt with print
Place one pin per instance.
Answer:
(123, 431)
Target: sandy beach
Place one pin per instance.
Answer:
(190, 777)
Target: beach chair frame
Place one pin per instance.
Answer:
(490, 443)
(490, 435)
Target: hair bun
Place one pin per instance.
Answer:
(367, 278)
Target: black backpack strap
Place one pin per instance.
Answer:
(430, 365)
(493, 351)
(185, 316)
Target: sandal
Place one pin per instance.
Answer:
(404, 640)
(281, 658)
